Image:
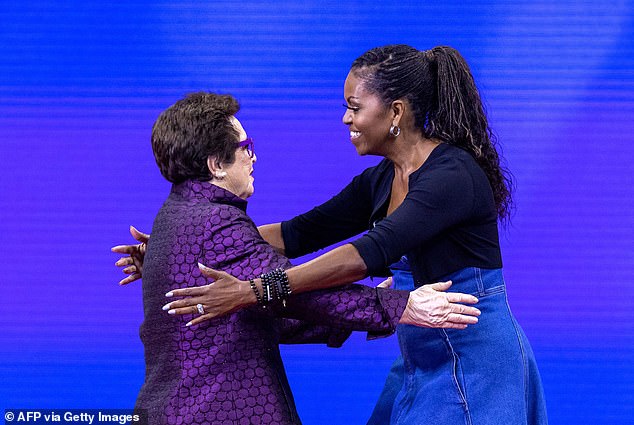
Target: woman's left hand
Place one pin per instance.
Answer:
(225, 295)
(387, 283)
(430, 306)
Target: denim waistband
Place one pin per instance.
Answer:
(476, 281)
(470, 280)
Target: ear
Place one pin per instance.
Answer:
(397, 109)
(215, 168)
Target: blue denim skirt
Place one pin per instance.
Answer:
(485, 374)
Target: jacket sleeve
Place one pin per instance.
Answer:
(353, 308)
(295, 331)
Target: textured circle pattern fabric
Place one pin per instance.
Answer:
(223, 371)
(228, 370)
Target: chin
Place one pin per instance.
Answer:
(361, 150)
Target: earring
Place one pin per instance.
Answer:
(220, 175)
(395, 130)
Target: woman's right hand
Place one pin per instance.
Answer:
(430, 306)
(133, 263)
(224, 295)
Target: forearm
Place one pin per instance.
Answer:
(272, 234)
(293, 331)
(338, 267)
(357, 307)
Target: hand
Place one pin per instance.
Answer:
(387, 283)
(225, 295)
(431, 307)
(134, 262)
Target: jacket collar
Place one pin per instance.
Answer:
(198, 190)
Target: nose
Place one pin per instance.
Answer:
(254, 158)
(347, 117)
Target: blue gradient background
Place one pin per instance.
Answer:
(82, 82)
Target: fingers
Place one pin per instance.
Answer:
(462, 319)
(187, 292)
(454, 321)
(130, 270)
(139, 236)
(200, 319)
(459, 297)
(214, 274)
(174, 309)
(125, 249)
(465, 310)
(387, 283)
(130, 279)
(441, 286)
(452, 325)
(124, 261)
(189, 306)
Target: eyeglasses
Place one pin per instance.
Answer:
(247, 144)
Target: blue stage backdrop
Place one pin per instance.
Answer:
(82, 82)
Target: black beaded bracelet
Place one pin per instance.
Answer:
(258, 297)
(275, 286)
(281, 281)
(267, 294)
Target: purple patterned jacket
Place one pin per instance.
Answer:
(229, 370)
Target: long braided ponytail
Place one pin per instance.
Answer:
(445, 101)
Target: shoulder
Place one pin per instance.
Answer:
(447, 154)
(224, 216)
(448, 160)
(449, 171)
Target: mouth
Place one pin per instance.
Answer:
(354, 134)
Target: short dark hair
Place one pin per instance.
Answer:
(191, 130)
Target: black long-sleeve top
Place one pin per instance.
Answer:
(448, 220)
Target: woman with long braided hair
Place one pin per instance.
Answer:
(431, 209)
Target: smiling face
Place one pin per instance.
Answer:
(368, 118)
(239, 179)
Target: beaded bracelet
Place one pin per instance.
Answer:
(281, 282)
(258, 297)
(275, 286)
(267, 294)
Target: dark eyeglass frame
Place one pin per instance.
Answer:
(248, 144)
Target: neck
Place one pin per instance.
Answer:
(409, 153)
(221, 183)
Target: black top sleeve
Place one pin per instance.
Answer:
(345, 215)
(440, 196)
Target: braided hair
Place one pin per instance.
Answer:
(440, 89)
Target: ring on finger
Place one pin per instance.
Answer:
(201, 308)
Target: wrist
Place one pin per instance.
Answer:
(405, 317)
(247, 297)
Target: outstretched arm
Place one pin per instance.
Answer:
(228, 294)
(428, 306)
(436, 203)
